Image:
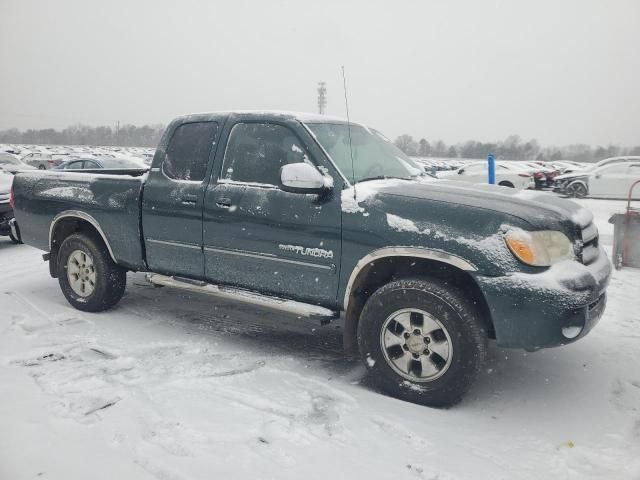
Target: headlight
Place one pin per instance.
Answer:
(540, 249)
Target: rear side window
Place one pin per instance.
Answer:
(256, 151)
(188, 151)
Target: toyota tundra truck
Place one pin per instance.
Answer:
(324, 218)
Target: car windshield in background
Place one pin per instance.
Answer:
(374, 156)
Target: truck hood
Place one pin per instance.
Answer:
(540, 209)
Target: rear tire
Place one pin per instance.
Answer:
(41, 167)
(506, 184)
(90, 280)
(437, 372)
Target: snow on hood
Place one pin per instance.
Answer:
(353, 196)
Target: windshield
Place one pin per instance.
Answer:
(374, 156)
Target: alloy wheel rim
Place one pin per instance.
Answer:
(81, 273)
(416, 345)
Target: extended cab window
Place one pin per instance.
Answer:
(256, 151)
(188, 151)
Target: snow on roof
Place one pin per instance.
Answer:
(304, 117)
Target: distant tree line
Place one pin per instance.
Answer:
(512, 148)
(125, 136)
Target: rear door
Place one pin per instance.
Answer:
(260, 237)
(172, 201)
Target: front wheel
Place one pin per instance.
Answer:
(13, 239)
(90, 280)
(577, 190)
(422, 341)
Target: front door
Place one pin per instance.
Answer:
(610, 181)
(257, 236)
(172, 202)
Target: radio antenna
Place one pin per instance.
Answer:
(346, 104)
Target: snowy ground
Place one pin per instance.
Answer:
(171, 386)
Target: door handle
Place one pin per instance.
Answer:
(223, 202)
(189, 200)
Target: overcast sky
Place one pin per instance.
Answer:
(559, 71)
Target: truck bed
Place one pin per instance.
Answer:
(113, 199)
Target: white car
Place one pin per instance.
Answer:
(613, 180)
(477, 172)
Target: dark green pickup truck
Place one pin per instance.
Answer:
(319, 217)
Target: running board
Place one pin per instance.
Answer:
(314, 312)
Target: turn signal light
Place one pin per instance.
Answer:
(521, 250)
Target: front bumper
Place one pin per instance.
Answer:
(540, 310)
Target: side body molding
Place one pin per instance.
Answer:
(418, 252)
(83, 216)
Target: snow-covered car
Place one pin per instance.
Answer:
(11, 164)
(506, 175)
(607, 161)
(45, 161)
(613, 180)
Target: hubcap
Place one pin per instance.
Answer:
(416, 345)
(81, 273)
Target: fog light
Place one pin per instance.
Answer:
(571, 332)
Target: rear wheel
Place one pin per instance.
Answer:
(506, 184)
(41, 167)
(422, 341)
(90, 280)
(577, 190)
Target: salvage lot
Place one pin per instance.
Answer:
(173, 386)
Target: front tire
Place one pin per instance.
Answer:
(90, 280)
(14, 239)
(577, 190)
(422, 341)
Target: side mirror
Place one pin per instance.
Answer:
(301, 178)
(598, 176)
(461, 171)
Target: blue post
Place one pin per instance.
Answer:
(492, 169)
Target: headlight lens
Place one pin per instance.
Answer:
(540, 249)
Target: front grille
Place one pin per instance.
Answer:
(589, 249)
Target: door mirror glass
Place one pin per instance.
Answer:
(461, 171)
(301, 178)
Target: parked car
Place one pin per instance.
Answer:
(317, 216)
(6, 210)
(607, 161)
(101, 163)
(11, 164)
(477, 172)
(612, 180)
(45, 161)
(544, 175)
